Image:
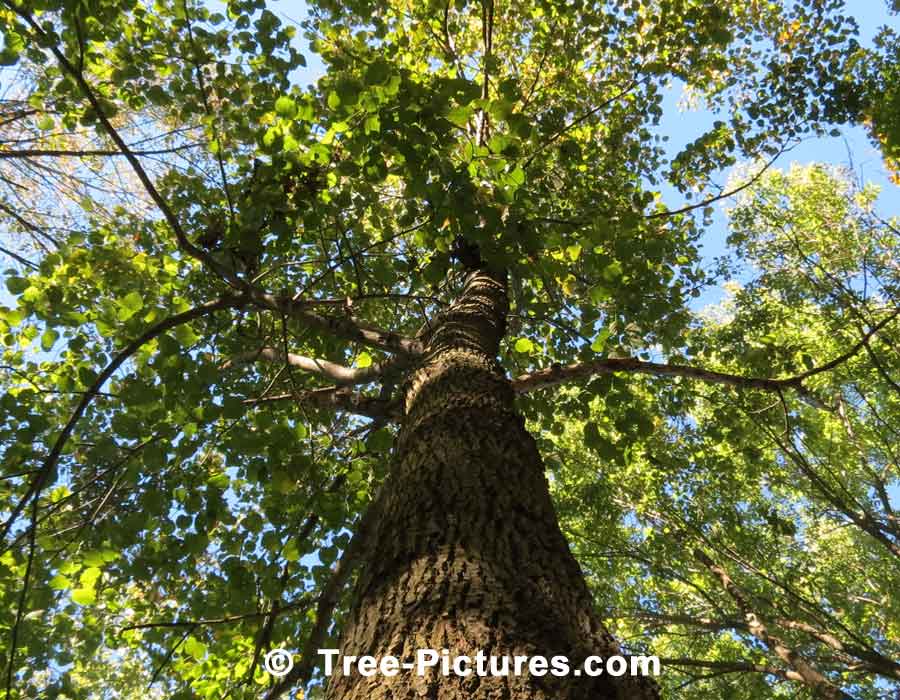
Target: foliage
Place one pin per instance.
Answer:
(796, 502)
(195, 237)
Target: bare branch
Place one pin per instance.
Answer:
(339, 374)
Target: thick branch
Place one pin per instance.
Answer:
(344, 327)
(559, 374)
(876, 662)
(339, 374)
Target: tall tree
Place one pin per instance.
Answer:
(271, 350)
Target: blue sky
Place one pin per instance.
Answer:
(852, 147)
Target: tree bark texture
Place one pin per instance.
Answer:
(467, 554)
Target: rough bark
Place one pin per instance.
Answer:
(468, 554)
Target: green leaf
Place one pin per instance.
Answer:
(285, 107)
(600, 341)
(523, 345)
(48, 339)
(460, 116)
(195, 648)
(372, 124)
(17, 285)
(291, 551)
(84, 596)
(219, 481)
(89, 576)
(129, 305)
(364, 359)
(60, 582)
(612, 272)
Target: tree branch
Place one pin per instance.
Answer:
(90, 153)
(339, 374)
(27, 225)
(878, 663)
(734, 667)
(344, 327)
(809, 675)
(19, 259)
(559, 374)
(210, 621)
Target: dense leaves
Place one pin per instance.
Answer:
(206, 259)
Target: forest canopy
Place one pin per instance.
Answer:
(255, 333)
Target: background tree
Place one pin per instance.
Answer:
(269, 348)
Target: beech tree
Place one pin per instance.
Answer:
(411, 358)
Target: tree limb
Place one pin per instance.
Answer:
(211, 621)
(808, 674)
(90, 153)
(559, 374)
(339, 374)
(18, 258)
(344, 327)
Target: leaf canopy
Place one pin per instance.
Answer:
(205, 252)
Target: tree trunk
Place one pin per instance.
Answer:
(467, 554)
